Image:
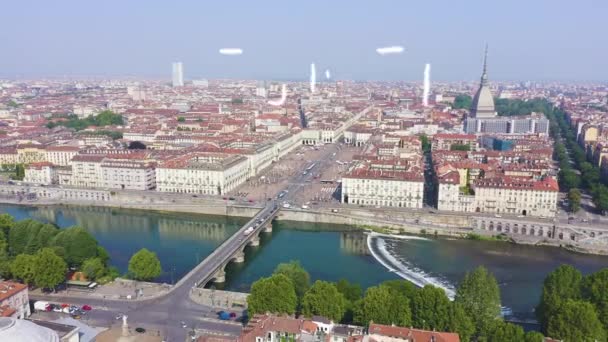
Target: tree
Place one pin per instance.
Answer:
(352, 292)
(600, 198)
(500, 331)
(479, 296)
(568, 179)
(595, 291)
(462, 102)
(383, 306)
(430, 309)
(19, 172)
(560, 285)
(324, 299)
(137, 145)
(144, 265)
(24, 268)
(426, 144)
(574, 198)
(78, 244)
(297, 274)
(93, 268)
(50, 269)
(402, 287)
(575, 321)
(181, 119)
(5, 261)
(534, 336)
(274, 294)
(460, 322)
(103, 255)
(6, 224)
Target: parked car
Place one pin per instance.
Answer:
(87, 307)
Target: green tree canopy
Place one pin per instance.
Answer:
(144, 265)
(462, 102)
(28, 236)
(383, 306)
(24, 268)
(574, 197)
(50, 269)
(460, 322)
(352, 292)
(402, 287)
(297, 274)
(103, 255)
(560, 285)
(78, 244)
(430, 309)
(500, 331)
(595, 290)
(324, 299)
(6, 223)
(534, 336)
(575, 321)
(93, 268)
(479, 296)
(105, 118)
(274, 294)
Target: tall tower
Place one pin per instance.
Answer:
(483, 102)
(178, 74)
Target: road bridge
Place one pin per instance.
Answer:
(213, 267)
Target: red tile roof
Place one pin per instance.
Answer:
(415, 334)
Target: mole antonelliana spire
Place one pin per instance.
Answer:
(483, 102)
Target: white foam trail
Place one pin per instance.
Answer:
(390, 49)
(231, 51)
(402, 237)
(427, 84)
(413, 275)
(327, 74)
(283, 97)
(313, 77)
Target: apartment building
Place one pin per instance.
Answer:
(14, 300)
(444, 141)
(391, 188)
(202, 173)
(516, 195)
(41, 173)
(129, 172)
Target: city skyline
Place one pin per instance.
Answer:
(280, 42)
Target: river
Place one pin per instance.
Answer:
(328, 252)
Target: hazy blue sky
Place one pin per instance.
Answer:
(529, 39)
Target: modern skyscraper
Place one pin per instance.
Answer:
(483, 102)
(178, 74)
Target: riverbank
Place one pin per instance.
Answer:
(531, 231)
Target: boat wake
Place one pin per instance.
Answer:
(402, 267)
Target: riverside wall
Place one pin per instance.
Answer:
(592, 240)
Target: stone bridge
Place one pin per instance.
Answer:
(213, 267)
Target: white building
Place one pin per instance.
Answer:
(60, 155)
(86, 171)
(178, 74)
(202, 173)
(383, 188)
(40, 173)
(128, 173)
(516, 195)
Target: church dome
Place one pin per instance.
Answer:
(19, 330)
